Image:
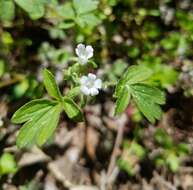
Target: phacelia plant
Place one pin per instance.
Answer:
(40, 117)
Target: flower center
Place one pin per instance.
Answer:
(90, 83)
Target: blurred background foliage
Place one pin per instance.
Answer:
(157, 34)
(35, 34)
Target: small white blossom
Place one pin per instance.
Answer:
(84, 53)
(90, 85)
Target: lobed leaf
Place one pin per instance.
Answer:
(66, 10)
(72, 93)
(51, 85)
(122, 100)
(7, 10)
(31, 109)
(72, 109)
(85, 6)
(89, 19)
(134, 74)
(148, 100)
(38, 129)
(35, 8)
(149, 92)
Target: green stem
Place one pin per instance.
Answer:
(109, 84)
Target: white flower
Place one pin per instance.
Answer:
(84, 53)
(90, 85)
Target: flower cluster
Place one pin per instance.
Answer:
(90, 85)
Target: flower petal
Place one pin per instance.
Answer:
(98, 83)
(94, 91)
(80, 50)
(85, 90)
(89, 51)
(91, 76)
(83, 80)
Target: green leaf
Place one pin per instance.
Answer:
(148, 100)
(40, 126)
(35, 8)
(137, 149)
(51, 85)
(132, 154)
(90, 20)
(21, 88)
(66, 25)
(149, 92)
(183, 149)
(7, 10)
(72, 109)
(31, 109)
(173, 162)
(163, 75)
(123, 100)
(163, 138)
(2, 67)
(73, 92)
(134, 74)
(7, 164)
(66, 10)
(85, 6)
